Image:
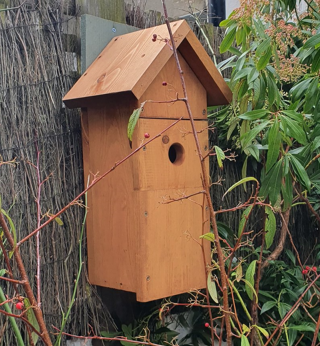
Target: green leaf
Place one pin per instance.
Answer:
(293, 115)
(133, 121)
(240, 182)
(270, 227)
(316, 62)
(283, 308)
(244, 341)
(287, 192)
(312, 41)
(244, 219)
(240, 36)
(252, 134)
(300, 172)
(250, 286)
(12, 227)
(228, 40)
(274, 142)
(250, 278)
(232, 127)
(303, 328)
(255, 114)
(294, 129)
(300, 89)
(220, 156)
(253, 75)
(264, 60)
(263, 46)
(267, 306)
(212, 288)
(242, 73)
(208, 236)
(272, 90)
(244, 172)
(263, 331)
(32, 319)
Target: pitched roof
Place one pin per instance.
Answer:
(130, 63)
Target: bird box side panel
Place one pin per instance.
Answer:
(167, 88)
(112, 238)
(171, 257)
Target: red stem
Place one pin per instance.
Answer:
(94, 182)
(205, 185)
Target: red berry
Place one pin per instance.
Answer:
(19, 306)
(207, 325)
(305, 271)
(314, 269)
(146, 135)
(164, 83)
(307, 268)
(154, 37)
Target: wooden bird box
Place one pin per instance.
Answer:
(139, 239)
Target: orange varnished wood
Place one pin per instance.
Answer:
(173, 89)
(218, 92)
(131, 62)
(137, 241)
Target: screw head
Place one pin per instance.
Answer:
(165, 139)
(148, 278)
(144, 148)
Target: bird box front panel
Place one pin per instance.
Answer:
(171, 207)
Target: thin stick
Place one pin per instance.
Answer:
(205, 185)
(94, 182)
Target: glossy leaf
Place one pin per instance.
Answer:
(244, 341)
(228, 40)
(267, 306)
(264, 60)
(255, 114)
(252, 134)
(250, 278)
(270, 227)
(312, 41)
(240, 182)
(300, 172)
(208, 236)
(133, 122)
(274, 143)
(220, 156)
(32, 319)
(287, 192)
(212, 288)
(244, 219)
(294, 129)
(316, 62)
(263, 46)
(262, 331)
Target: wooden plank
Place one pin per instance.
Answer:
(217, 90)
(111, 234)
(170, 260)
(129, 63)
(158, 92)
(153, 168)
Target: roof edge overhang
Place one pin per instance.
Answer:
(218, 92)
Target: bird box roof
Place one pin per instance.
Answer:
(131, 62)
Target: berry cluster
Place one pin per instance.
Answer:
(307, 269)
